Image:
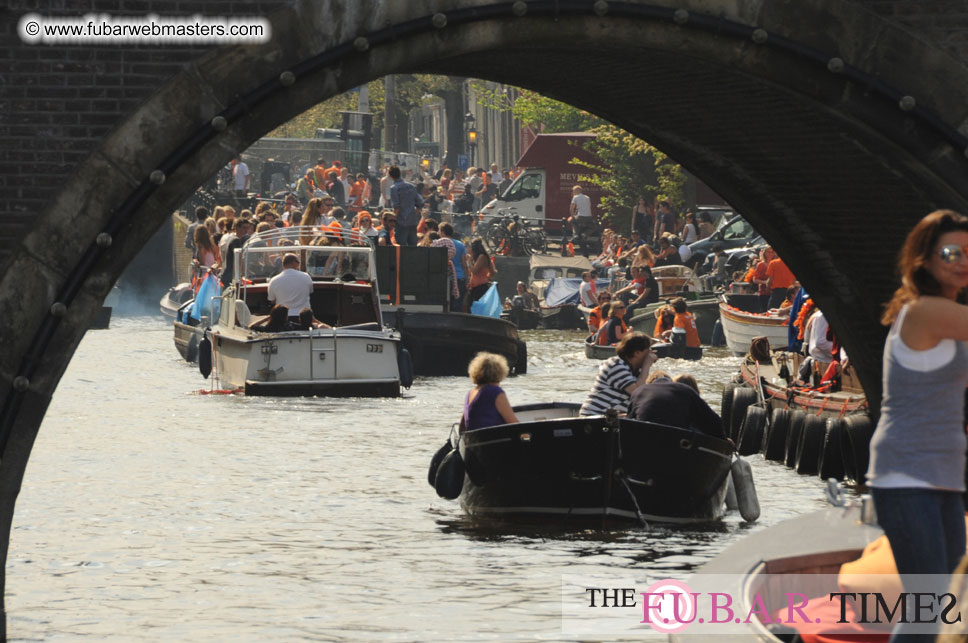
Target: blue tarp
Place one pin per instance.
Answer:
(489, 305)
(564, 290)
(208, 300)
(794, 344)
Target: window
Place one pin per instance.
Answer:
(738, 229)
(527, 186)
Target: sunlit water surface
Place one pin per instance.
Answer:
(151, 512)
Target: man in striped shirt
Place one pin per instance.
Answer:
(620, 376)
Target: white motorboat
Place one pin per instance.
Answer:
(354, 356)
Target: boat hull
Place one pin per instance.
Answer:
(330, 362)
(564, 317)
(705, 312)
(740, 327)
(596, 351)
(187, 339)
(445, 343)
(583, 468)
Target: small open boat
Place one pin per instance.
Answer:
(741, 326)
(662, 349)
(705, 309)
(556, 463)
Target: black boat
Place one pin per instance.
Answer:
(556, 463)
(445, 343)
(522, 318)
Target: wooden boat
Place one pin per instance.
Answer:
(807, 551)
(175, 298)
(357, 356)
(818, 430)
(562, 311)
(556, 463)
(740, 327)
(662, 349)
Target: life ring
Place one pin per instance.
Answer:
(521, 365)
(751, 432)
(727, 404)
(858, 433)
(793, 438)
(811, 445)
(776, 434)
(743, 398)
(831, 458)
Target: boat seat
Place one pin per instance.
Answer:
(242, 315)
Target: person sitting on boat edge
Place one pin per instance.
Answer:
(292, 287)
(523, 299)
(598, 313)
(276, 322)
(307, 321)
(620, 376)
(674, 403)
(648, 293)
(665, 318)
(487, 404)
(614, 329)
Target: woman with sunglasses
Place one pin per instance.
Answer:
(917, 467)
(387, 236)
(614, 329)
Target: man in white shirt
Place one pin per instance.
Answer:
(291, 287)
(240, 174)
(496, 175)
(586, 291)
(581, 215)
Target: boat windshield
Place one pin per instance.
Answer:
(262, 256)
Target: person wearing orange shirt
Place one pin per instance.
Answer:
(596, 316)
(759, 276)
(664, 321)
(779, 278)
(684, 324)
(319, 174)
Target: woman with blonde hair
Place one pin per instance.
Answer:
(643, 257)
(917, 454)
(487, 404)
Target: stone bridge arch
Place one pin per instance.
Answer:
(832, 128)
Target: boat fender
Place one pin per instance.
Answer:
(719, 338)
(205, 357)
(858, 433)
(743, 398)
(436, 460)
(521, 365)
(450, 476)
(732, 504)
(774, 444)
(405, 366)
(793, 437)
(741, 474)
(811, 445)
(727, 404)
(831, 458)
(750, 437)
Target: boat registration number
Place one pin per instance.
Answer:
(374, 348)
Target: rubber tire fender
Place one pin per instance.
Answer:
(436, 460)
(793, 438)
(751, 432)
(405, 367)
(857, 454)
(832, 458)
(743, 398)
(774, 440)
(727, 404)
(811, 445)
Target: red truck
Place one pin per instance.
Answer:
(542, 191)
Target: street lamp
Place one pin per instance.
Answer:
(472, 142)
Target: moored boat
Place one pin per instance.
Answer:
(741, 326)
(556, 463)
(355, 355)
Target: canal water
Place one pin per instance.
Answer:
(151, 512)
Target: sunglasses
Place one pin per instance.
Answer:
(952, 253)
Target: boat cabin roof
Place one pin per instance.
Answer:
(344, 255)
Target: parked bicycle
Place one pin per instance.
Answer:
(511, 235)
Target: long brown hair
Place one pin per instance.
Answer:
(916, 279)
